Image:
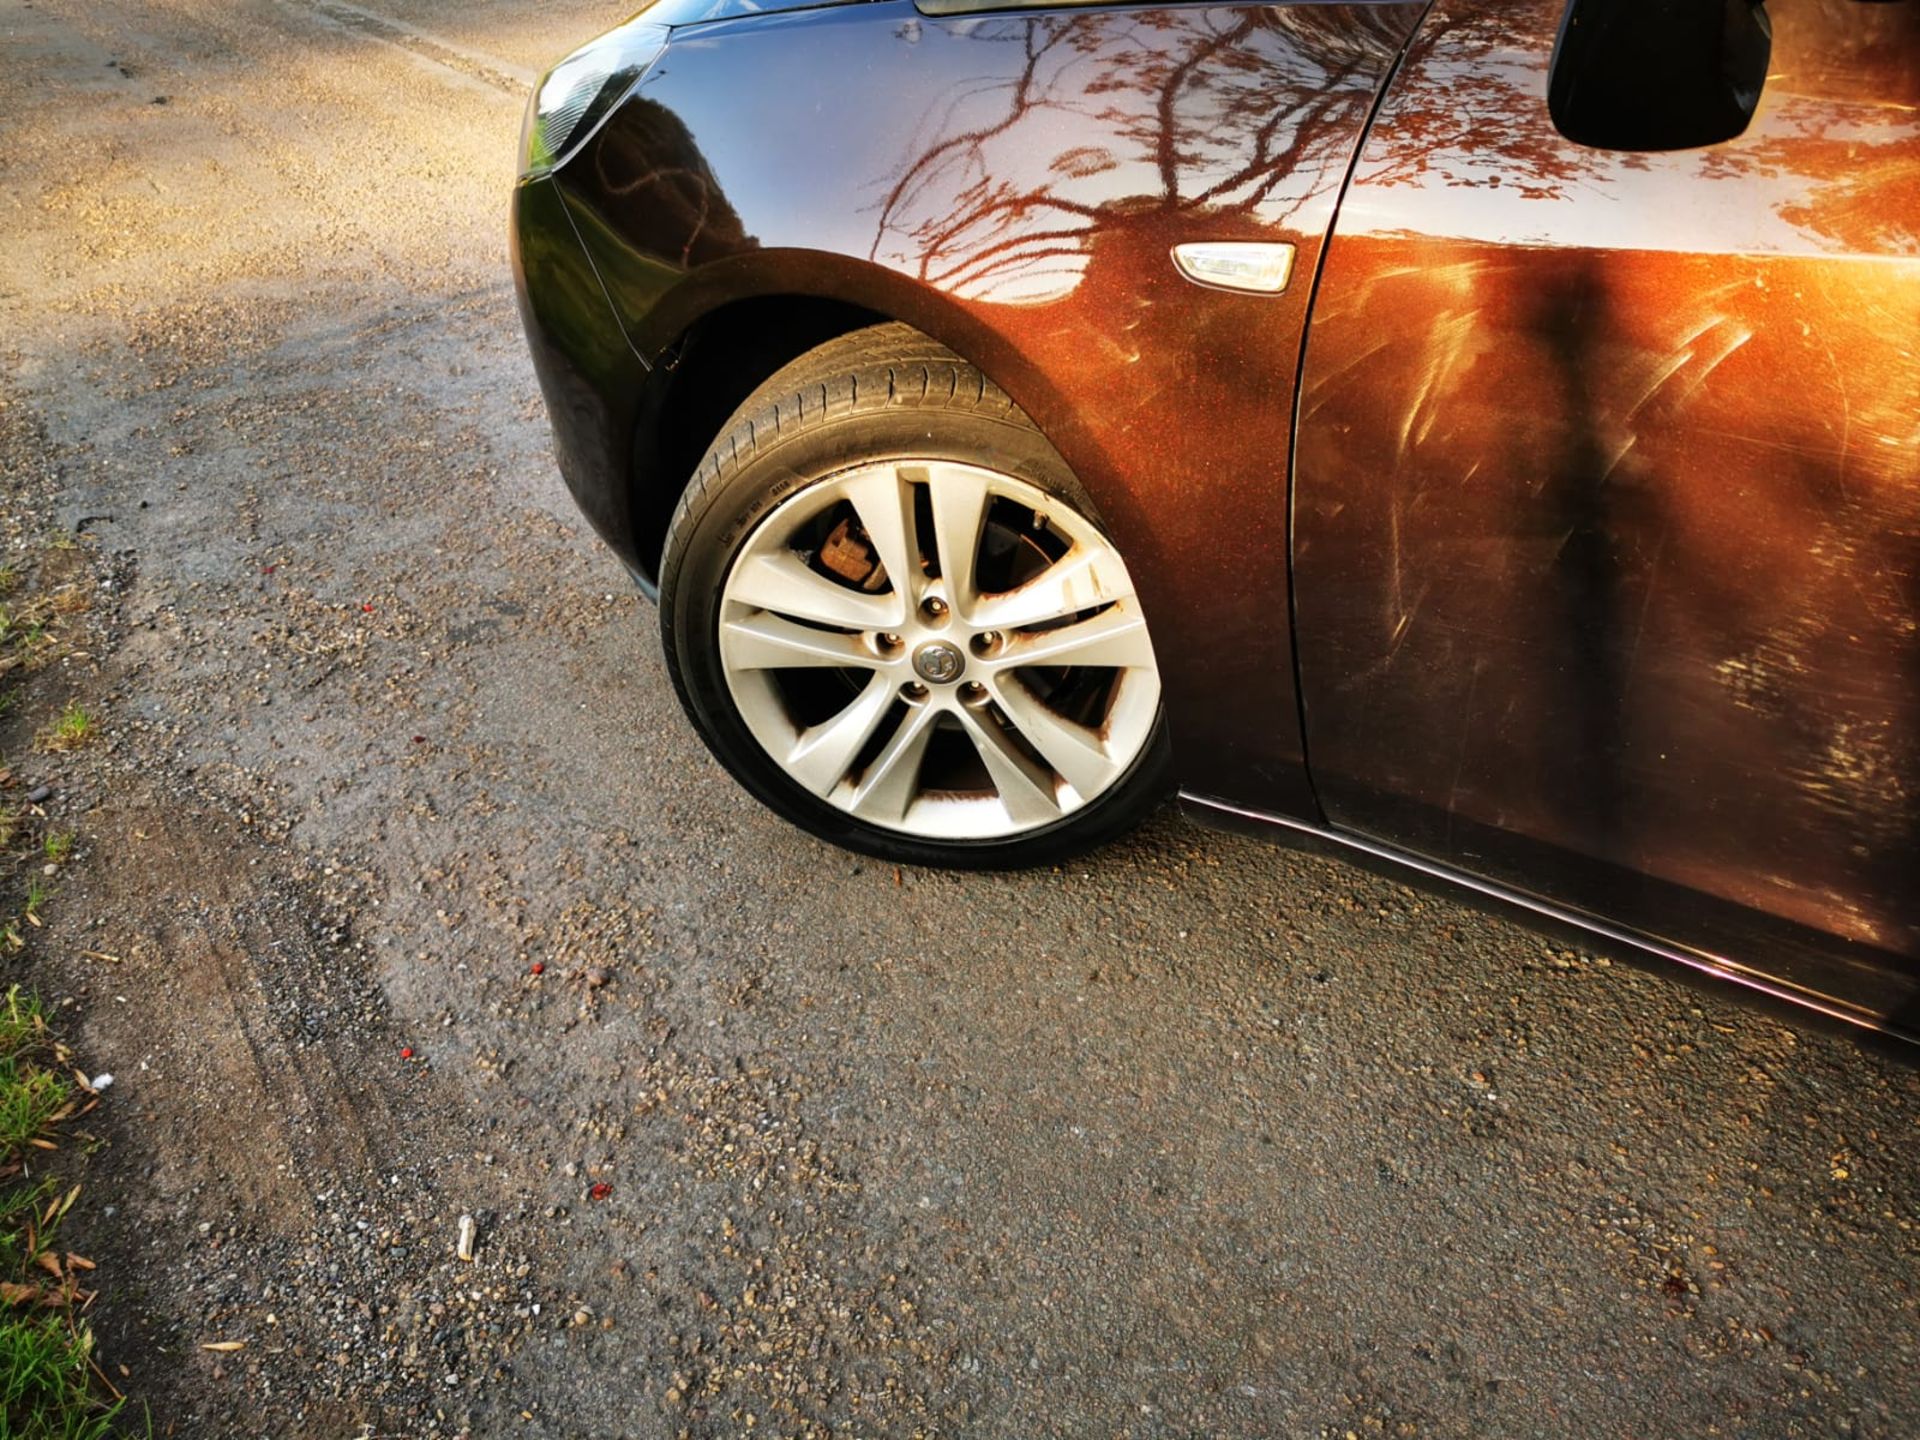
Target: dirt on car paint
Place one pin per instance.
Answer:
(420, 901)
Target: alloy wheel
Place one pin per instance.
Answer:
(939, 649)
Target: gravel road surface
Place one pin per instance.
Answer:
(423, 901)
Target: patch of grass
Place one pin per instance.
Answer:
(49, 1385)
(31, 1092)
(29, 1098)
(23, 1024)
(9, 825)
(74, 728)
(38, 892)
(21, 1207)
(25, 640)
(44, 1390)
(57, 846)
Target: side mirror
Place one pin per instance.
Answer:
(1658, 74)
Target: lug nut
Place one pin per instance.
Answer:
(986, 642)
(914, 690)
(972, 693)
(889, 641)
(934, 608)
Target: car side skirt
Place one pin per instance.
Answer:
(1899, 1024)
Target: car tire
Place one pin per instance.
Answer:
(949, 709)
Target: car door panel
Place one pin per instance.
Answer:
(1607, 498)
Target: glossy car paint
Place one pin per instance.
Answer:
(1605, 536)
(1607, 546)
(593, 382)
(1013, 185)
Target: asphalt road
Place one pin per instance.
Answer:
(1196, 1138)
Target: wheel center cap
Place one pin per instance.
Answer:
(938, 662)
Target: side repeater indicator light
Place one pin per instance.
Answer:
(1259, 269)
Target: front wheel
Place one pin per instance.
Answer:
(892, 614)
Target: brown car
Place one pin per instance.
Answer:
(1483, 436)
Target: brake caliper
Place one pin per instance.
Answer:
(849, 554)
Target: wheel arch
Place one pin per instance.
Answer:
(728, 326)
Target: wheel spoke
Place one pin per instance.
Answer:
(1116, 637)
(959, 500)
(889, 784)
(884, 503)
(1086, 576)
(768, 642)
(1079, 754)
(822, 755)
(1025, 791)
(781, 582)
